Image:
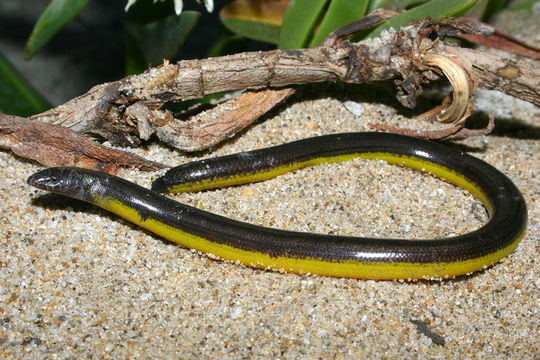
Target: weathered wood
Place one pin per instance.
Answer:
(515, 77)
(54, 145)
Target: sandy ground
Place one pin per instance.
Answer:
(77, 282)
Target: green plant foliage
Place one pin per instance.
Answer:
(308, 22)
(435, 9)
(493, 7)
(375, 4)
(255, 19)
(55, 16)
(135, 61)
(17, 95)
(525, 6)
(227, 44)
(298, 23)
(254, 29)
(339, 13)
(157, 40)
(484, 9)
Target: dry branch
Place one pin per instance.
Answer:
(514, 77)
(132, 109)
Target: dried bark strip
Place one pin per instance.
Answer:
(53, 145)
(211, 127)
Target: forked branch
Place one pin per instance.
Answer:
(130, 110)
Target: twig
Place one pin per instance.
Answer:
(426, 330)
(458, 131)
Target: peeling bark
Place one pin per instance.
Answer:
(54, 145)
(222, 122)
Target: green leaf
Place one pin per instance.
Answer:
(135, 61)
(339, 13)
(414, 3)
(253, 29)
(298, 23)
(158, 40)
(228, 43)
(526, 6)
(55, 16)
(493, 7)
(435, 9)
(255, 19)
(17, 95)
(375, 4)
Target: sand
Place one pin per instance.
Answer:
(78, 282)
